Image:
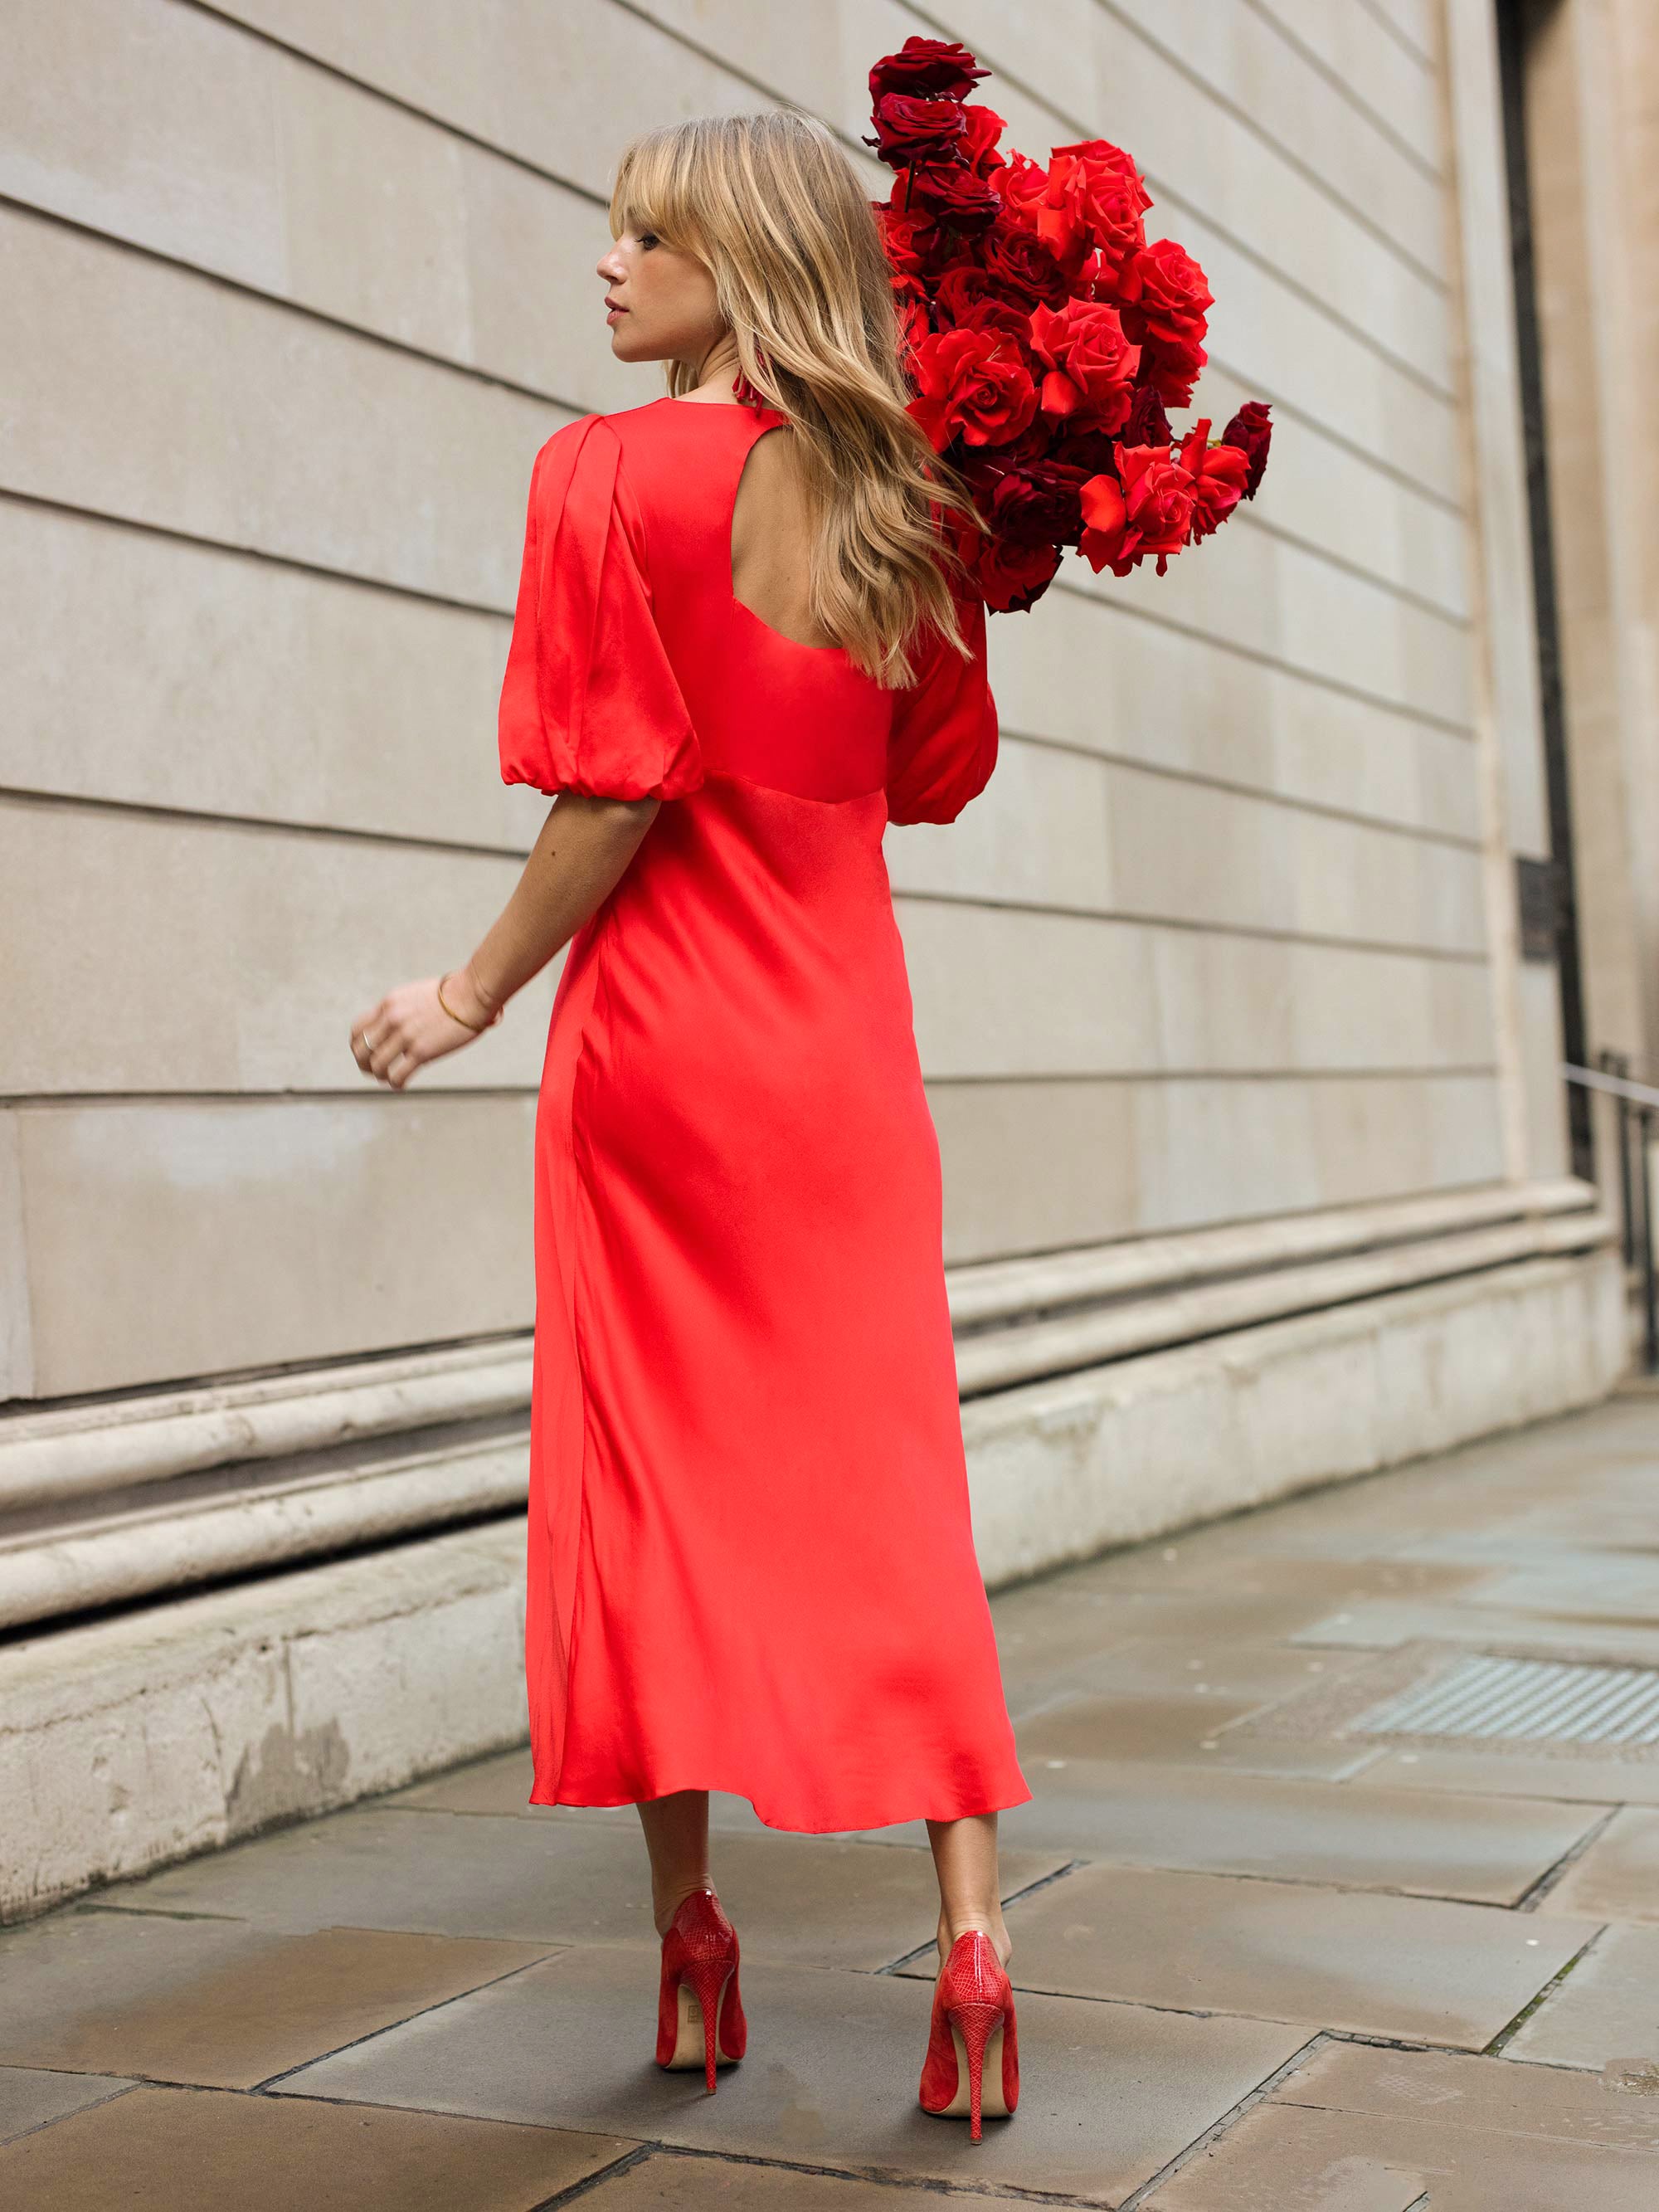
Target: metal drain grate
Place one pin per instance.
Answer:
(1525, 1700)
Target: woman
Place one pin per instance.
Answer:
(736, 656)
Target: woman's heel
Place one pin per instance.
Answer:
(700, 2018)
(973, 2023)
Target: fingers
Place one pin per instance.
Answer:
(363, 1033)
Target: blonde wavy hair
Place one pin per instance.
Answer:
(775, 209)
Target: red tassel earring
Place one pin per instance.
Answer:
(750, 395)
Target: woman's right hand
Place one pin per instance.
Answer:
(410, 1027)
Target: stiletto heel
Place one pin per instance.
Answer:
(973, 2022)
(700, 2018)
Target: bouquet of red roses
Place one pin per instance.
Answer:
(1046, 339)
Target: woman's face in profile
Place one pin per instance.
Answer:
(659, 300)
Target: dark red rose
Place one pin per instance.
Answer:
(966, 301)
(972, 384)
(1091, 451)
(1144, 513)
(1030, 444)
(980, 149)
(1095, 193)
(1252, 431)
(1038, 503)
(1147, 424)
(951, 194)
(1019, 265)
(927, 69)
(1165, 300)
(910, 130)
(1217, 473)
(1091, 365)
(910, 306)
(1011, 578)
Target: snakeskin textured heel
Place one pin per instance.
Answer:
(972, 2064)
(700, 2020)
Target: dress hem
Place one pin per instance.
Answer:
(790, 1827)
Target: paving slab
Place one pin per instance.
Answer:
(1379, 1623)
(1477, 2095)
(1519, 1773)
(203, 2150)
(214, 2001)
(684, 2181)
(498, 1876)
(1484, 2134)
(1048, 1627)
(1278, 2159)
(1349, 1960)
(30, 2099)
(1604, 2015)
(523, 1880)
(1618, 1877)
(1430, 1843)
(1110, 2093)
(1219, 1664)
(1189, 1728)
(501, 1784)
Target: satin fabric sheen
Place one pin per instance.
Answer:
(750, 1561)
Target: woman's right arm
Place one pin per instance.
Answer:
(584, 845)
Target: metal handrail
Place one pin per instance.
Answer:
(1638, 1117)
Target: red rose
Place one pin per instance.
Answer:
(912, 130)
(1166, 287)
(928, 68)
(980, 149)
(966, 300)
(1096, 192)
(1022, 183)
(951, 194)
(1011, 577)
(1165, 300)
(1018, 263)
(1146, 514)
(1219, 474)
(1091, 365)
(910, 239)
(973, 383)
(1252, 431)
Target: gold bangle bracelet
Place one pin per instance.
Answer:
(476, 1028)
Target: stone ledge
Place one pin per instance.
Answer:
(127, 1743)
(130, 1742)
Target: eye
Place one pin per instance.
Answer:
(649, 238)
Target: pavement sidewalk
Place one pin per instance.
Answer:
(1277, 1949)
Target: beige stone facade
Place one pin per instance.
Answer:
(1222, 975)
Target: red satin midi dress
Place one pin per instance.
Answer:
(751, 1562)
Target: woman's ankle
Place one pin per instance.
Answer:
(666, 1903)
(951, 1925)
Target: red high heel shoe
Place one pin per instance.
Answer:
(699, 1989)
(973, 2022)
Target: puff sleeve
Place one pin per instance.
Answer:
(943, 745)
(589, 701)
